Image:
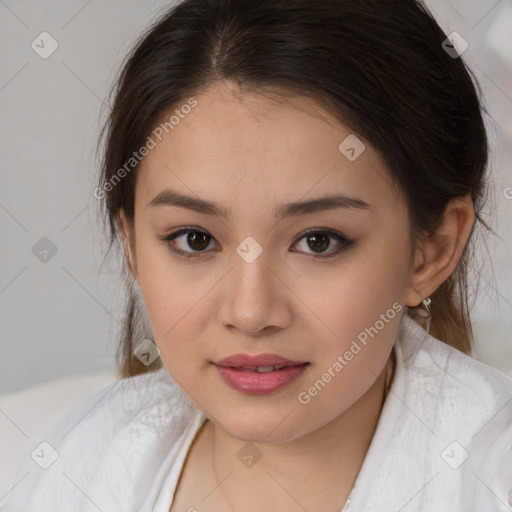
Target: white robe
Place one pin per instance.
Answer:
(443, 442)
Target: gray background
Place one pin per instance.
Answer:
(61, 317)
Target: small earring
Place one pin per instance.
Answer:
(426, 312)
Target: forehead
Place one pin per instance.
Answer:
(262, 146)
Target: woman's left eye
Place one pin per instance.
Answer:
(319, 240)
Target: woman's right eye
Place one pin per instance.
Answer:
(195, 239)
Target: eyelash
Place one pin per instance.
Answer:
(344, 241)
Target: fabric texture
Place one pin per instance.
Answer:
(443, 442)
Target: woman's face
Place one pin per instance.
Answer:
(253, 284)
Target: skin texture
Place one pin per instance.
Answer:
(249, 154)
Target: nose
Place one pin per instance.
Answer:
(254, 301)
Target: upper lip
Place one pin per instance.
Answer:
(246, 360)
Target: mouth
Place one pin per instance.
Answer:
(259, 378)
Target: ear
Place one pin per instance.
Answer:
(437, 255)
(128, 238)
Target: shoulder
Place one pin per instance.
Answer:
(438, 367)
(465, 406)
(151, 400)
(126, 429)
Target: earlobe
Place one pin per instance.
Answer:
(437, 255)
(126, 233)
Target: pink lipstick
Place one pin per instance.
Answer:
(259, 374)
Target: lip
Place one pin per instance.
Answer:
(248, 361)
(258, 383)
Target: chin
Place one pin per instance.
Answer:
(264, 429)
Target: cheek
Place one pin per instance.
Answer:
(348, 362)
(360, 309)
(355, 295)
(343, 376)
(167, 292)
(174, 315)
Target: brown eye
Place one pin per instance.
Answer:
(319, 240)
(198, 240)
(185, 246)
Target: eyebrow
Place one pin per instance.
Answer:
(170, 197)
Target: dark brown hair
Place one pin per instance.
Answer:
(378, 65)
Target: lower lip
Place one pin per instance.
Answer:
(257, 383)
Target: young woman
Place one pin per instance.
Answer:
(295, 185)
